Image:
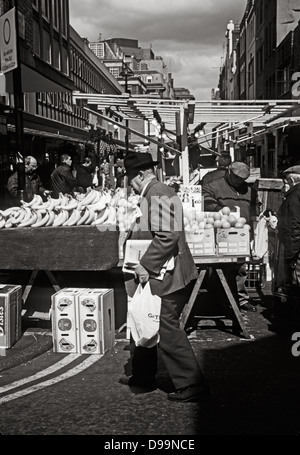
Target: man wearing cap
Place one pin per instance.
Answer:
(230, 191)
(287, 276)
(160, 219)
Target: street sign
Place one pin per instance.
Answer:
(8, 41)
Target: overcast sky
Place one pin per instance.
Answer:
(189, 35)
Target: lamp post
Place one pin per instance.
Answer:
(126, 73)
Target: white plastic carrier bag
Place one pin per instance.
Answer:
(144, 316)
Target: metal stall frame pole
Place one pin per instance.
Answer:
(184, 145)
(19, 109)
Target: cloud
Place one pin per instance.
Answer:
(188, 35)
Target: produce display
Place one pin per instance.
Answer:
(225, 219)
(95, 208)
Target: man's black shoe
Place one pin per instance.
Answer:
(193, 393)
(139, 385)
(247, 306)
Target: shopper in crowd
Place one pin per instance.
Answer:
(174, 289)
(85, 173)
(233, 191)
(33, 183)
(62, 179)
(287, 275)
(223, 162)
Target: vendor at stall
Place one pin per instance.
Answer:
(33, 183)
(232, 190)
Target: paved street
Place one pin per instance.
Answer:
(255, 387)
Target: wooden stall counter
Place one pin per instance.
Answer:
(63, 249)
(59, 248)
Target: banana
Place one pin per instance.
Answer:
(51, 218)
(8, 224)
(39, 218)
(44, 206)
(56, 202)
(65, 200)
(30, 222)
(112, 219)
(89, 199)
(98, 206)
(43, 221)
(2, 223)
(91, 218)
(34, 201)
(61, 218)
(28, 214)
(84, 217)
(74, 218)
(17, 216)
(6, 213)
(102, 219)
(72, 205)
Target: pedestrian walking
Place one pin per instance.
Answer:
(174, 289)
(287, 273)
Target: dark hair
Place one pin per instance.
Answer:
(64, 157)
(224, 160)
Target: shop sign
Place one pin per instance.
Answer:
(8, 41)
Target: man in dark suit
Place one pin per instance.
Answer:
(62, 180)
(160, 220)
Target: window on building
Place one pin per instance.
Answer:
(55, 14)
(46, 46)
(56, 54)
(46, 9)
(65, 61)
(115, 72)
(251, 71)
(36, 38)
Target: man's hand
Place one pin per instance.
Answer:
(142, 274)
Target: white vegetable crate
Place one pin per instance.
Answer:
(96, 321)
(10, 314)
(65, 320)
(233, 242)
(201, 242)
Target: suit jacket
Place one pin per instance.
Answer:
(33, 185)
(162, 222)
(62, 180)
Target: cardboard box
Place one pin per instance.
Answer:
(65, 320)
(201, 242)
(10, 314)
(96, 321)
(233, 242)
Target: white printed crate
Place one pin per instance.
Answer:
(96, 321)
(65, 320)
(10, 314)
(201, 242)
(233, 242)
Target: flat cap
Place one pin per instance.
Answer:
(292, 170)
(240, 169)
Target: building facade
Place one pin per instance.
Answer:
(266, 43)
(54, 62)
